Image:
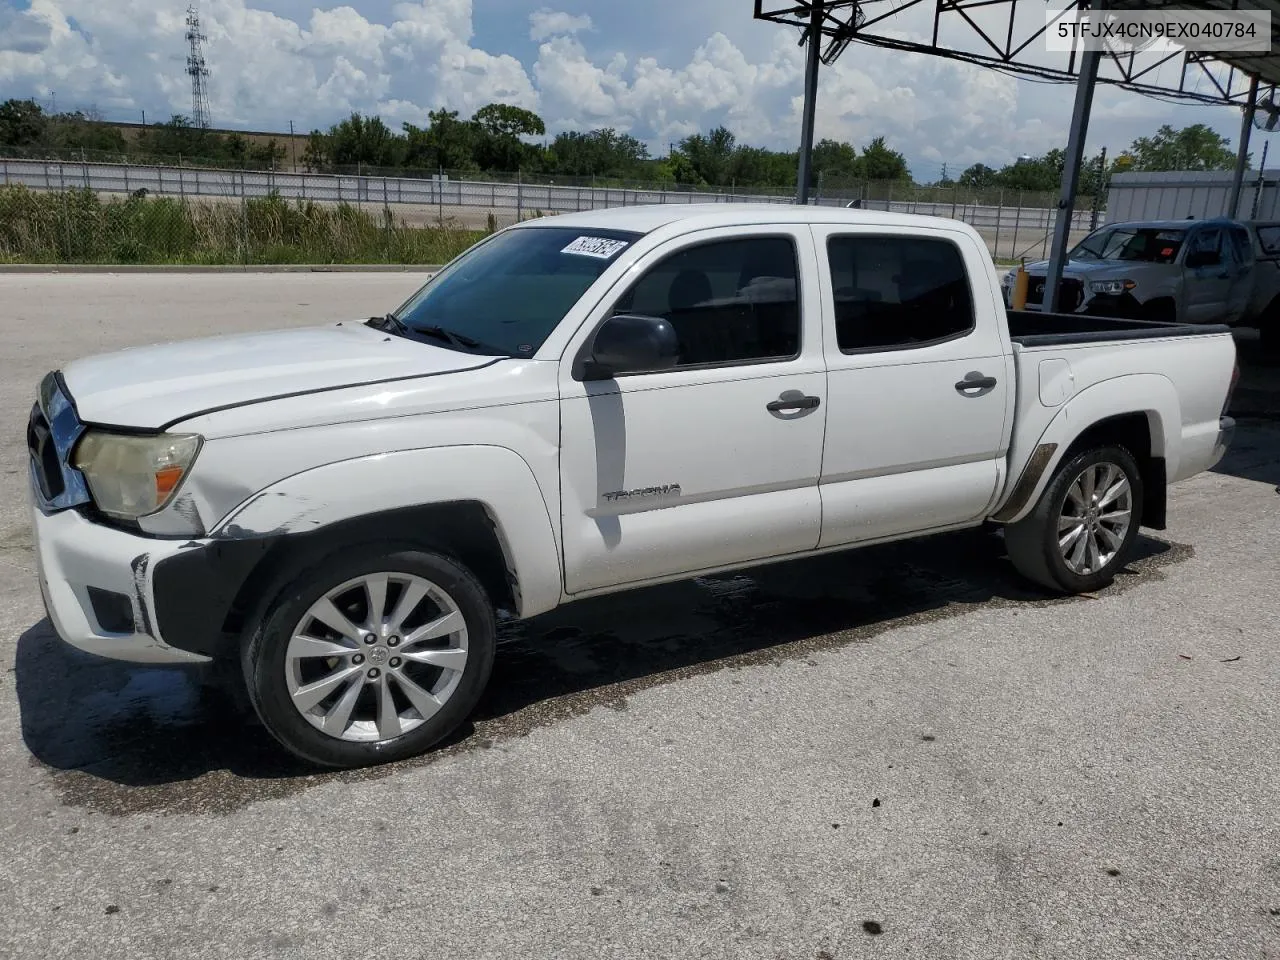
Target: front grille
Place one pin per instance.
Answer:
(1070, 293)
(44, 455)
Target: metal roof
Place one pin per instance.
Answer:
(1264, 65)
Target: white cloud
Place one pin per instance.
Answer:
(267, 69)
(545, 23)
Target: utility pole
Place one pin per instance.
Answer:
(293, 147)
(197, 71)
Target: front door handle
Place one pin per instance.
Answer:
(975, 381)
(792, 403)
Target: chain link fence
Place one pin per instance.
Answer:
(94, 211)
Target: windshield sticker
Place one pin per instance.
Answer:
(601, 248)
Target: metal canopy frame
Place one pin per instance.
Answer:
(1239, 79)
(877, 23)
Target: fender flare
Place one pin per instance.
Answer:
(497, 478)
(1146, 393)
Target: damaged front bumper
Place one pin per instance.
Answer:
(97, 585)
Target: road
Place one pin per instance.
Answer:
(899, 752)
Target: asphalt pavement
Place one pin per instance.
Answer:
(904, 751)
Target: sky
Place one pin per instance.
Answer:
(657, 69)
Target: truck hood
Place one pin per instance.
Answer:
(1089, 269)
(148, 387)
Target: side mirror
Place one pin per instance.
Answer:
(629, 342)
(1202, 258)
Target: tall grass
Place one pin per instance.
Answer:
(79, 226)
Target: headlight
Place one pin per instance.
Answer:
(131, 476)
(1113, 287)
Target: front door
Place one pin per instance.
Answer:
(704, 465)
(920, 383)
(1208, 276)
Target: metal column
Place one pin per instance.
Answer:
(1242, 155)
(1085, 82)
(810, 99)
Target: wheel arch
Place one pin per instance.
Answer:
(1139, 411)
(479, 504)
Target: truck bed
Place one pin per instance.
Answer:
(1031, 328)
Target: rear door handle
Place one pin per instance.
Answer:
(975, 381)
(793, 403)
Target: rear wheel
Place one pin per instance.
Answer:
(371, 657)
(1159, 311)
(1083, 528)
(1269, 329)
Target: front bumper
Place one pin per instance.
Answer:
(97, 585)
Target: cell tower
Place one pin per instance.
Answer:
(197, 71)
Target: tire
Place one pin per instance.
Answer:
(1033, 542)
(1269, 333)
(1161, 310)
(386, 697)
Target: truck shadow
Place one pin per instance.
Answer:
(121, 738)
(1255, 453)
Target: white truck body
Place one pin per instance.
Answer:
(551, 484)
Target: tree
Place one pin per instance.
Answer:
(979, 177)
(710, 155)
(78, 131)
(504, 120)
(833, 159)
(878, 162)
(364, 140)
(447, 143)
(22, 123)
(317, 156)
(600, 153)
(1192, 148)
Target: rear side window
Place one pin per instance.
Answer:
(729, 301)
(1269, 239)
(895, 293)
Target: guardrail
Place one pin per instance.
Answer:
(519, 198)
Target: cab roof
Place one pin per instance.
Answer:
(645, 218)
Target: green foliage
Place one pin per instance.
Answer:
(599, 153)
(1192, 148)
(22, 122)
(79, 227)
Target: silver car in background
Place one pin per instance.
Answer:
(1188, 271)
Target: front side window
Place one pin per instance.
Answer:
(506, 296)
(729, 301)
(898, 292)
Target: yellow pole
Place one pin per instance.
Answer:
(1021, 281)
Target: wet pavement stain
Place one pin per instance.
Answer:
(122, 739)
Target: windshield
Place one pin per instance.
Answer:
(507, 294)
(1147, 244)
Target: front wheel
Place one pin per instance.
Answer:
(371, 656)
(1084, 526)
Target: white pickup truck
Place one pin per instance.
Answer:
(579, 405)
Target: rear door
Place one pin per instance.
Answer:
(1243, 269)
(919, 378)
